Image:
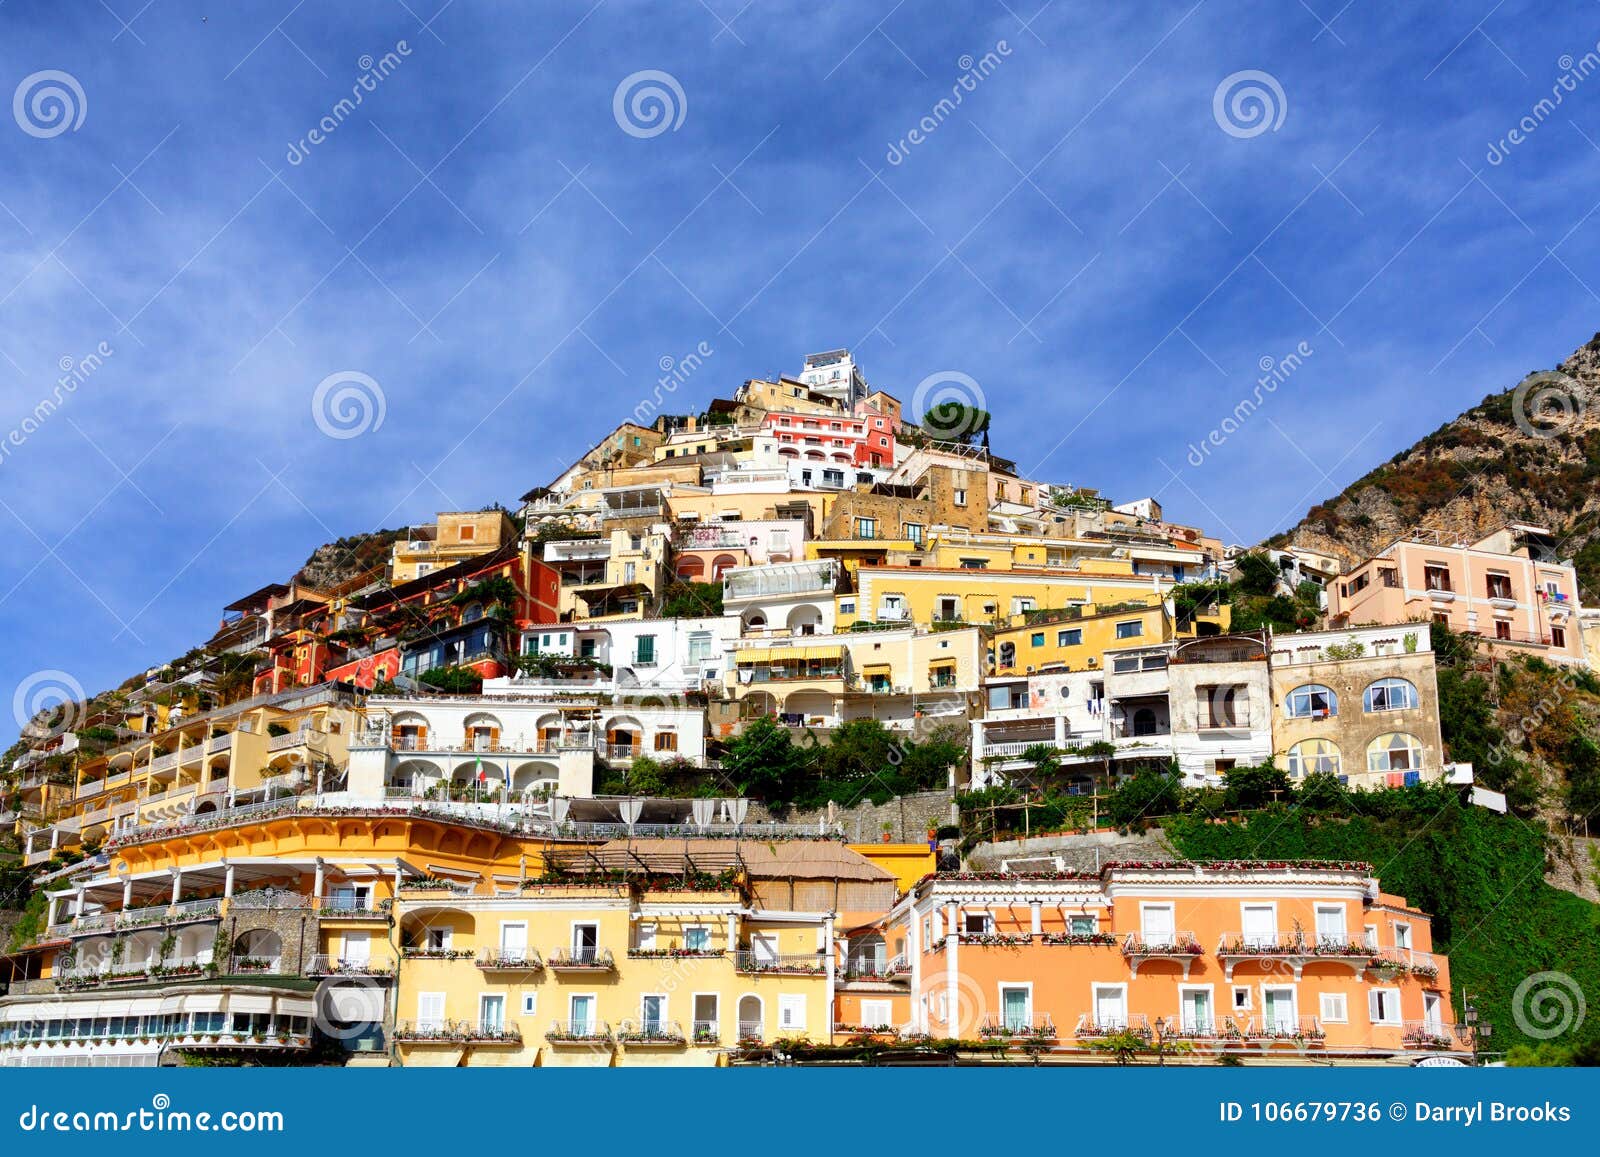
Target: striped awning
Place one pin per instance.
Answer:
(790, 654)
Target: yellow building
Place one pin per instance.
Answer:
(1076, 638)
(971, 594)
(454, 537)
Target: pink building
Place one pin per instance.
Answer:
(864, 440)
(1509, 588)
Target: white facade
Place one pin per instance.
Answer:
(792, 599)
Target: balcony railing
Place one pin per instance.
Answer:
(750, 1032)
(707, 1032)
(457, 1031)
(759, 962)
(1091, 1026)
(325, 964)
(1240, 944)
(1278, 1028)
(1427, 1034)
(651, 1033)
(510, 960)
(581, 960)
(1161, 944)
(578, 1032)
(1039, 1027)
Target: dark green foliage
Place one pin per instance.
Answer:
(1149, 792)
(453, 680)
(1256, 786)
(686, 600)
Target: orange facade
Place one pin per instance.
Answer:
(1279, 960)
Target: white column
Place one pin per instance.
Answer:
(1061, 730)
(227, 882)
(1038, 925)
(127, 892)
(316, 881)
(733, 931)
(54, 902)
(177, 884)
(952, 974)
(77, 904)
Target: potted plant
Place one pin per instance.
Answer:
(888, 831)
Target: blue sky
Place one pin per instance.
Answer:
(1103, 253)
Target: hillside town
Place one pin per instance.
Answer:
(797, 728)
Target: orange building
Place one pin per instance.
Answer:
(1276, 961)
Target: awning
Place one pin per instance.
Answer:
(204, 1002)
(871, 667)
(939, 663)
(141, 1006)
(246, 1002)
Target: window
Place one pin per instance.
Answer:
(1394, 752)
(1130, 630)
(977, 923)
(1008, 654)
(1311, 701)
(1383, 1006)
(892, 607)
(974, 564)
(1111, 1006)
(437, 938)
(468, 533)
(492, 1012)
(1036, 639)
(1222, 705)
(866, 528)
(792, 1012)
(1441, 619)
(585, 941)
(1081, 925)
(1156, 924)
(1390, 695)
(1331, 926)
(959, 497)
(581, 1016)
(430, 1010)
(1313, 755)
(1502, 629)
(914, 532)
(1558, 636)
(1402, 936)
(1015, 1010)
(877, 1013)
(1436, 577)
(697, 938)
(705, 1015)
(1499, 586)
(530, 1003)
(1241, 998)
(1335, 1009)
(1195, 1007)
(1260, 925)
(1278, 1009)
(1069, 638)
(647, 936)
(667, 741)
(652, 1012)
(699, 646)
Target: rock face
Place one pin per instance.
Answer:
(1529, 454)
(339, 562)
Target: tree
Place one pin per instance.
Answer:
(1256, 786)
(763, 761)
(1322, 791)
(691, 600)
(1152, 791)
(1256, 574)
(955, 421)
(453, 680)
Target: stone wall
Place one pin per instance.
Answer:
(863, 823)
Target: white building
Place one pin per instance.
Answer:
(668, 656)
(520, 737)
(835, 374)
(793, 599)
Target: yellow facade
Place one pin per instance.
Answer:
(992, 597)
(454, 537)
(1076, 639)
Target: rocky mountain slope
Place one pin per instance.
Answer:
(1530, 453)
(338, 562)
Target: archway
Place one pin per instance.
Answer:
(805, 620)
(751, 1017)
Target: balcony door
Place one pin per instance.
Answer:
(1158, 925)
(1330, 926)
(1110, 1006)
(581, 1018)
(652, 1013)
(357, 947)
(1432, 1012)
(513, 941)
(1014, 1007)
(585, 941)
(1260, 925)
(764, 947)
(1278, 1009)
(1195, 1006)
(492, 1012)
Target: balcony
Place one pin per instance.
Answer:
(1009, 1028)
(351, 910)
(1293, 948)
(1092, 1027)
(750, 1033)
(186, 911)
(651, 1034)
(457, 1032)
(1431, 1035)
(1304, 1029)
(510, 960)
(298, 738)
(1183, 947)
(579, 1032)
(763, 963)
(707, 1032)
(330, 965)
(581, 960)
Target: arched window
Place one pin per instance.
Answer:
(1389, 695)
(1395, 751)
(1313, 755)
(1144, 721)
(1311, 701)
